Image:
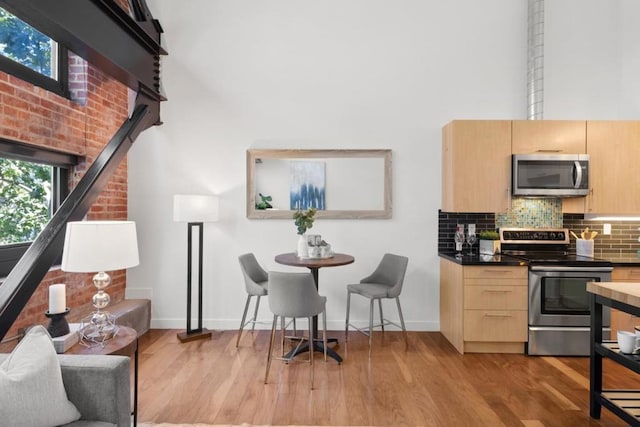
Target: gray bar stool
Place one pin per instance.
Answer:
(385, 282)
(255, 282)
(295, 295)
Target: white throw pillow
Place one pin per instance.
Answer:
(32, 393)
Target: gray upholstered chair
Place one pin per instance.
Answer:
(385, 282)
(255, 282)
(295, 295)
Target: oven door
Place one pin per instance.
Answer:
(558, 295)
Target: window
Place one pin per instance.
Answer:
(32, 56)
(33, 185)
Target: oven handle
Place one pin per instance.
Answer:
(574, 269)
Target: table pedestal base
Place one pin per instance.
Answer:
(317, 346)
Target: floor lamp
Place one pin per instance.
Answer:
(195, 210)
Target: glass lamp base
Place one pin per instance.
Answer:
(97, 328)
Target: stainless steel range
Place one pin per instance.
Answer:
(558, 299)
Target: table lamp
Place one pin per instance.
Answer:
(195, 210)
(99, 246)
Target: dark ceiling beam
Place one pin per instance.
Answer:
(26, 276)
(129, 51)
(102, 33)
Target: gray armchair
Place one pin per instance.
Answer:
(99, 386)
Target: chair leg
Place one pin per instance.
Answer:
(324, 332)
(255, 314)
(311, 350)
(273, 337)
(244, 316)
(346, 323)
(282, 334)
(381, 315)
(370, 325)
(404, 330)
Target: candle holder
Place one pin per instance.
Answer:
(58, 325)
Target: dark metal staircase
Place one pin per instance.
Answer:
(126, 49)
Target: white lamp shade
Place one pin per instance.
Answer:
(195, 208)
(93, 246)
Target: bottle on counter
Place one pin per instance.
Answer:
(459, 239)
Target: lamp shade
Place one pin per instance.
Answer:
(91, 246)
(195, 208)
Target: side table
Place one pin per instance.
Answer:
(125, 343)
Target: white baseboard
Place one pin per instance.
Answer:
(226, 324)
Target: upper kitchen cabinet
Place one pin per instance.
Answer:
(553, 137)
(614, 150)
(549, 136)
(476, 167)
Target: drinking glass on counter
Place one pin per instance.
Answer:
(459, 239)
(471, 239)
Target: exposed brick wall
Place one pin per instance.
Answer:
(33, 115)
(78, 70)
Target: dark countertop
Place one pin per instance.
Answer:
(476, 259)
(616, 260)
(621, 261)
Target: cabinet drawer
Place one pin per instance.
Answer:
(495, 325)
(482, 272)
(495, 297)
(626, 273)
(491, 281)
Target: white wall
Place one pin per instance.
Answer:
(592, 59)
(333, 74)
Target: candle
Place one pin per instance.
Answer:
(57, 299)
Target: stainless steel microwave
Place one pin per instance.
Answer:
(550, 175)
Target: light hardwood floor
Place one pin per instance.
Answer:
(212, 381)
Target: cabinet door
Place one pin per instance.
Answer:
(451, 311)
(548, 136)
(614, 149)
(495, 297)
(552, 136)
(495, 326)
(476, 166)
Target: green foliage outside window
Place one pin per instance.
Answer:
(24, 44)
(25, 194)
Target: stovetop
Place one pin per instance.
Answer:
(549, 246)
(557, 258)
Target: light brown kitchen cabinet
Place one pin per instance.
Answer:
(621, 321)
(483, 309)
(552, 137)
(549, 137)
(476, 168)
(614, 150)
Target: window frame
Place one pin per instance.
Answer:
(59, 85)
(62, 167)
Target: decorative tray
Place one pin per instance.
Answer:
(317, 257)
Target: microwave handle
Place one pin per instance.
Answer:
(577, 174)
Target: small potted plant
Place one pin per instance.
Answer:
(264, 202)
(303, 221)
(489, 242)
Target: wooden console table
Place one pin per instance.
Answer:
(624, 403)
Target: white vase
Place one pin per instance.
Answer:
(303, 248)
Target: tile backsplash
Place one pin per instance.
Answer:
(532, 213)
(447, 226)
(622, 242)
(545, 213)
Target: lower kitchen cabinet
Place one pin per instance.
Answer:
(620, 320)
(483, 309)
